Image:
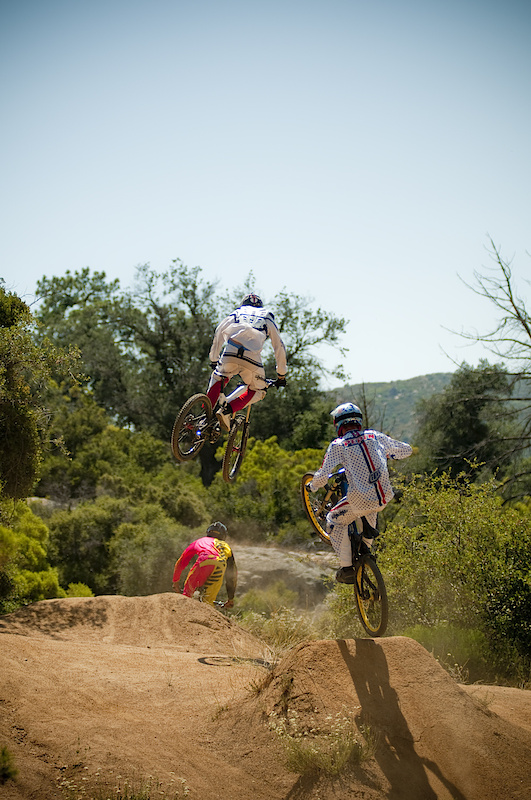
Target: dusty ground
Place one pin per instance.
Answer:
(168, 687)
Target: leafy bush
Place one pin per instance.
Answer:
(145, 552)
(454, 555)
(7, 766)
(25, 574)
(267, 491)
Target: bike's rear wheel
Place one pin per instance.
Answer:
(235, 449)
(371, 597)
(189, 432)
(317, 505)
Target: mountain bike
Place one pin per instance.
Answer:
(196, 424)
(369, 587)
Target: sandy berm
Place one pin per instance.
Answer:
(165, 686)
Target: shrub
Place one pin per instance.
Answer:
(8, 772)
(313, 750)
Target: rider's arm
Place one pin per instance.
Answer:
(219, 339)
(395, 449)
(183, 562)
(330, 463)
(278, 348)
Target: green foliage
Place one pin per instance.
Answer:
(8, 771)
(297, 415)
(78, 590)
(79, 540)
(464, 424)
(112, 545)
(281, 628)
(266, 496)
(268, 601)
(463, 652)
(144, 552)
(455, 555)
(145, 351)
(25, 370)
(25, 574)
(391, 406)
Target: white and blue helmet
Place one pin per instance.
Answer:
(346, 412)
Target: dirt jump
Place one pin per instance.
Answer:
(97, 690)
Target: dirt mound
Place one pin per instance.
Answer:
(93, 688)
(433, 741)
(167, 619)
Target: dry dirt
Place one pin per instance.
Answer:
(168, 687)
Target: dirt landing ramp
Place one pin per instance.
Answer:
(434, 741)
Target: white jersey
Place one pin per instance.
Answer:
(363, 455)
(243, 334)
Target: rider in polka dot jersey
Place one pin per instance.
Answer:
(363, 454)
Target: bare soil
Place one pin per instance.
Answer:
(164, 686)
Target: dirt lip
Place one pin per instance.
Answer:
(168, 687)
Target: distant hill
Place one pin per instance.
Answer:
(391, 407)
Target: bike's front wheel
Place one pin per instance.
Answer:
(189, 432)
(235, 449)
(317, 505)
(371, 597)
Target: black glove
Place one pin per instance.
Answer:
(280, 382)
(213, 365)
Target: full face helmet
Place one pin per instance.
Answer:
(216, 527)
(347, 412)
(252, 300)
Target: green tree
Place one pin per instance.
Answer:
(465, 423)
(145, 350)
(510, 340)
(25, 370)
(456, 563)
(25, 571)
(265, 501)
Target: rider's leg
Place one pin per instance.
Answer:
(217, 384)
(199, 574)
(338, 519)
(214, 582)
(240, 401)
(372, 518)
(218, 380)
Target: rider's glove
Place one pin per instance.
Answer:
(213, 365)
(280, 381)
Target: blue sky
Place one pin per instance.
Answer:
(357, 153)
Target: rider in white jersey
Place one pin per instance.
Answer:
(363, 454)
(237, 350)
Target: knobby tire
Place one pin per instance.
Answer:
(188, 434)
(235, 449)
(371, 596)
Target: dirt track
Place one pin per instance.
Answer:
(168, 687)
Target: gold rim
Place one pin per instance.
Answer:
(374, 601)
(310, 511)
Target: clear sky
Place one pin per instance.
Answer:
(359, 153)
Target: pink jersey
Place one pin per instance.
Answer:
(205, 548)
